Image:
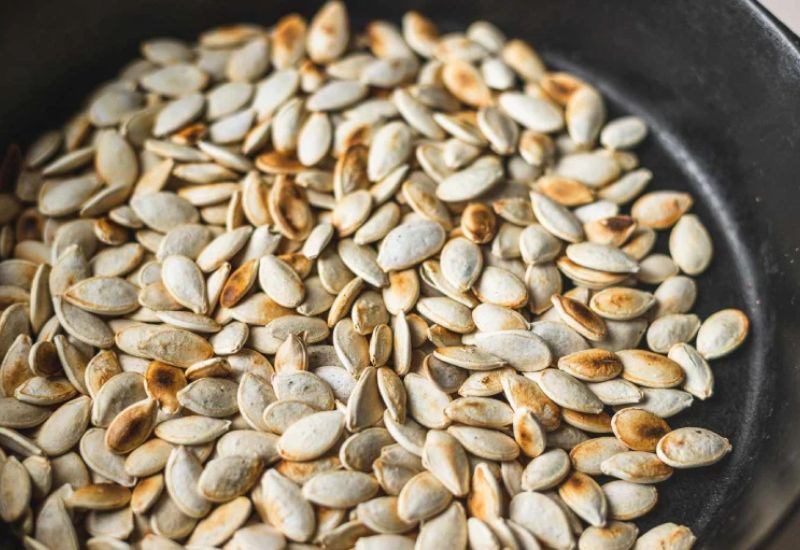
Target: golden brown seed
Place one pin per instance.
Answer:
(579, 317)
(638, 429)
(465, 82)
(592, 365)
(560, 86)
(614, 230)
(566, 191)
(100, 496)
(599, 423)
(239, 283)
(289, 209)
(162, 382)
(131, 427)
(478, 223)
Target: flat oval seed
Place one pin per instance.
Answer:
(286, 508)
(214, 397)
(226, 478)
(461, 263)
(132, 426)
(628, 500)
(636, 467)
(15, 490)
(615, 535)
(585, 497)
(191, 430)
(422, 497)
(557, 219)
(669, 330)
(638, 429)
(587, 456)
(546, 471)
(340, 489)
(621, 304)
(593, 365)
(280, 282)
(661, 209)
(667, 535)
(601, 257)
(426, 402)
(447, 313)
(533, 113)
(690, 245)
(569, 392)
(646, 368)
(523, 350)
(480, 411)
(488, 444)
(469, 183)
(446, 459)
(722, 333)
(692, 447)
(501, 287)
(311, 436)
(409, 244)
(181, 474)
(543, 517)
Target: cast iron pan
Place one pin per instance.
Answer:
(719, 84)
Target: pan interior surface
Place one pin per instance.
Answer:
(716, 82)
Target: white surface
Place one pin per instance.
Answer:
(788, 11)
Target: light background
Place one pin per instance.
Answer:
(787, 11)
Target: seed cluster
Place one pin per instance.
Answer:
(302, 287)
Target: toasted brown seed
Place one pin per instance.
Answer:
(638, 429)
(162, 383)
(523, 392)
(667, 535)
(646, 368)
(579, 317)
(466, 83)
(621, 303)
(132, 426)
(593, 365)
(100, 496)
(636, 467)
(239, 283)
(661, 209)
(478, 223)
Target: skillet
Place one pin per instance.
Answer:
(717, 82)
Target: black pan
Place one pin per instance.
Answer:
(719, 84)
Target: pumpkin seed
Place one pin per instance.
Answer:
(667, 535)
(722, 332)
(636, 467)
(692, 447)
(541, 516)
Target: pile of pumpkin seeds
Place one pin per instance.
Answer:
(301, 287)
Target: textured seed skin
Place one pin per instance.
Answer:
(309, 283)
